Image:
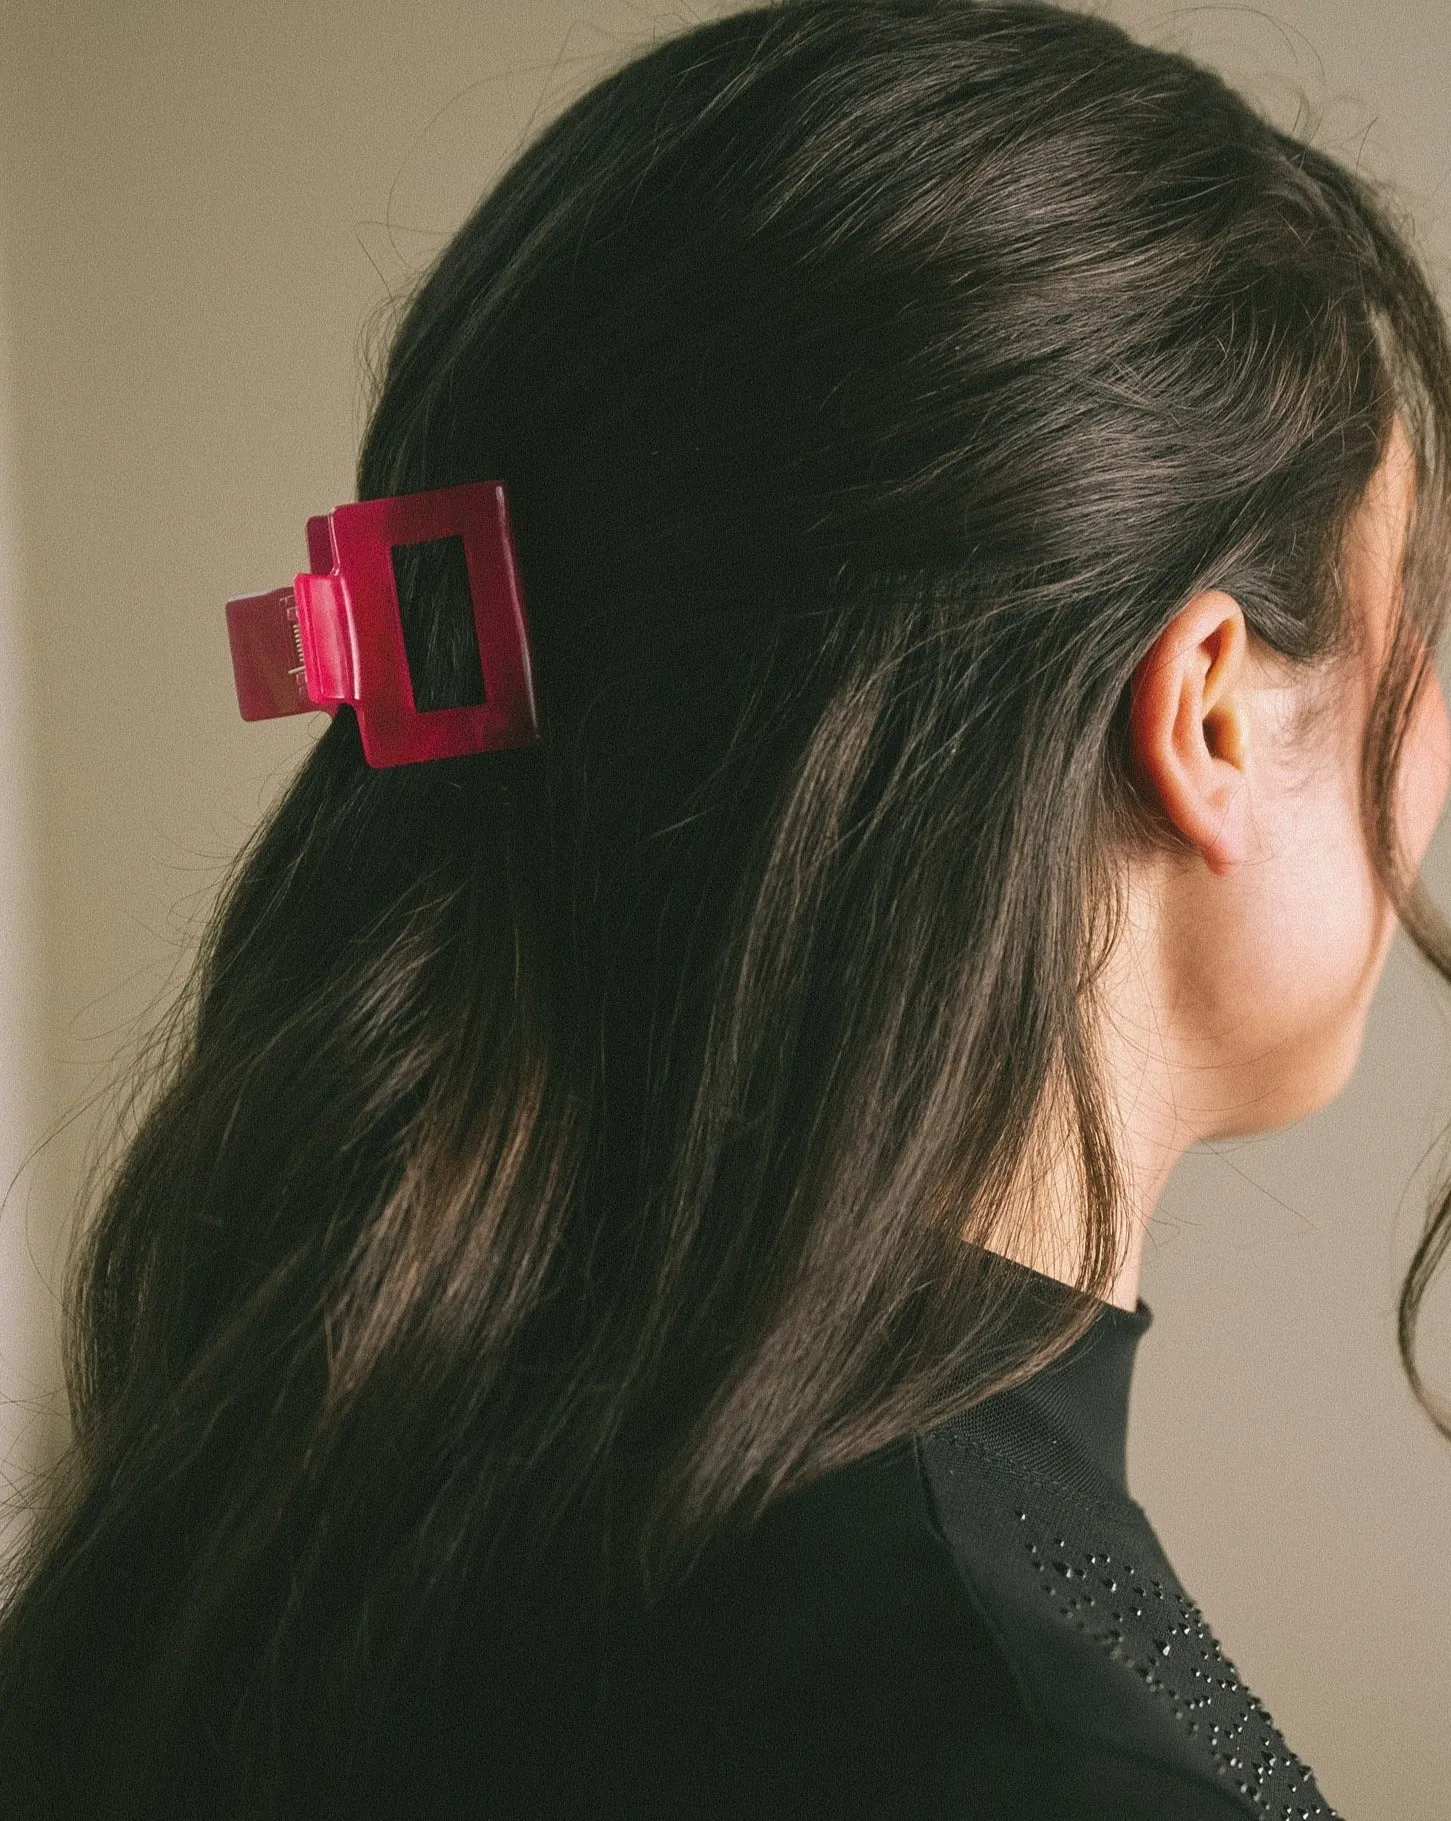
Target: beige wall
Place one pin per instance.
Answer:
(26, 1361)
(205, 205)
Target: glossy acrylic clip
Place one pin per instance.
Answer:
(335, 636)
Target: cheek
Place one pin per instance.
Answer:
(1285, 956)
(1311, 932)
(1425, 772)
(1324, 922)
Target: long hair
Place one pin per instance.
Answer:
(560, 1155)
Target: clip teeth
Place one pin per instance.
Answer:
(267, 658)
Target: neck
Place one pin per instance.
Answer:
(1147, 1102)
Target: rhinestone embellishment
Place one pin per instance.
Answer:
(1156, 1630)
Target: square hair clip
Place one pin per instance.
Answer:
(336, 635)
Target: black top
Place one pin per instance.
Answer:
(976, 1624)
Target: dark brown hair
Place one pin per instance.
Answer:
(562, 1154)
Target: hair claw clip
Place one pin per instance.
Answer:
(336, 636)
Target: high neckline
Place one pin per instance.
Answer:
(1070, 1418)
(1053, 1290)
(1085, 1392)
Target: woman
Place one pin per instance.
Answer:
(622, 1301)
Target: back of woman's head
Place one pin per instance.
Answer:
(563, 1153)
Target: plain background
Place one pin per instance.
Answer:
(207, 209)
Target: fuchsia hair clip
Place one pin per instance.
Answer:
(336, 634)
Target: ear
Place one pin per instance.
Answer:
(1189, 727)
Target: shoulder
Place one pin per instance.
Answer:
(835, 1663)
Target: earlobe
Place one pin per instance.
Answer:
(1189, 727)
